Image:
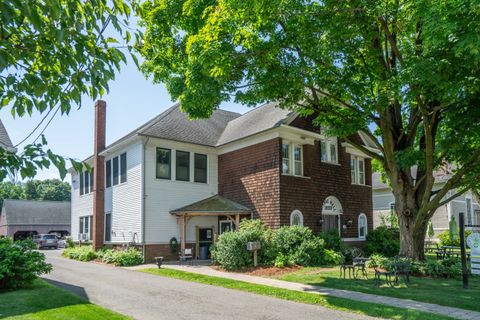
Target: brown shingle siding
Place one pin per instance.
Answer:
(251, 176)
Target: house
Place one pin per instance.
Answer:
(24, 218)
(175, 180)
(5, 142)
(384, 204)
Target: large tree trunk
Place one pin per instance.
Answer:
(412, 223)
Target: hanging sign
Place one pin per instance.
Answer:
(473, 242)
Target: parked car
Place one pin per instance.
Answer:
(62, 242)
(46, 241)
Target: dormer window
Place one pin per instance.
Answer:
(292, 159)
(329, 150)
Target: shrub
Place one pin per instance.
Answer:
(230, 251)
(82, 253)
(445, 240)
(445, 268)
(19, 263)
(310, 253)
(130, 257)
(283, 247)
(383, 241)
(333, 240)
(70, 243)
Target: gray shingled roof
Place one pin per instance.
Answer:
(262, 118)
(377, 183)
(4, 138)
(31, 212)
(215, 204)
(175, 125)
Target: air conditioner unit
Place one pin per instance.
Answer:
(83, 236)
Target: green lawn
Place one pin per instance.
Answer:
(45, 301)
(448, 292)
(371, 309)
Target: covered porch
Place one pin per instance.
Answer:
(227, 212)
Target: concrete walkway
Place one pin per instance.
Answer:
(395, 302)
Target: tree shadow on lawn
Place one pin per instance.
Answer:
(447, 292)
(40, 296)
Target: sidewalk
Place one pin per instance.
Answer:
(359, 296)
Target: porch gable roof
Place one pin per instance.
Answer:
(214, 205)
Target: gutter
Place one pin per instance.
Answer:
(143, 194)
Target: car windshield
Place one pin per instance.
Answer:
(50, 236)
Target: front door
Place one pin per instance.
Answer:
(330, 221)
(205, 240)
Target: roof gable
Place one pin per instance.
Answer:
(262, 118)
(4, 137)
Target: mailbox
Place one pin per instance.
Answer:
(254, 246)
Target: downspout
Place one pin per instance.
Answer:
(144, 169)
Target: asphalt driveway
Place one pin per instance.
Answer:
(146, 296)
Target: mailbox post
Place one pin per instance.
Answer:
(254, 247)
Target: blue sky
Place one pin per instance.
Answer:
(132, 101)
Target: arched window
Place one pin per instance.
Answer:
(296, 218)
(362, 226)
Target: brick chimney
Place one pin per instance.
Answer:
(99, 175)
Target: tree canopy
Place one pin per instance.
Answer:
(50, 189)
(51, 54)
(407, 69)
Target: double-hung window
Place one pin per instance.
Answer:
(81, 183)
(123, 168)
(115, 171)
(164, 161)
(292, 159)
(108, 173)
(200, 163)
(329, 150)
(182, 172)
(357, 169)
(286, 158)
(85, 228)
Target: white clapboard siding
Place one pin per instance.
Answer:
(81, 205)
(124, 201)
(162, 196)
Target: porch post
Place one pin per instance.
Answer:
(182, 234)
(237, 221)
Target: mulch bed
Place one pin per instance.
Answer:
(262, 271)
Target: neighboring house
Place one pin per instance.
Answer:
(5, 141)
(384, 204)
(176, 179)
(24, 218)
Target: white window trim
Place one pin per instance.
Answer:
(291, 158)
(362, 215)
(299, 214)
(328, 143)
(229, 222)
(357, 171)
